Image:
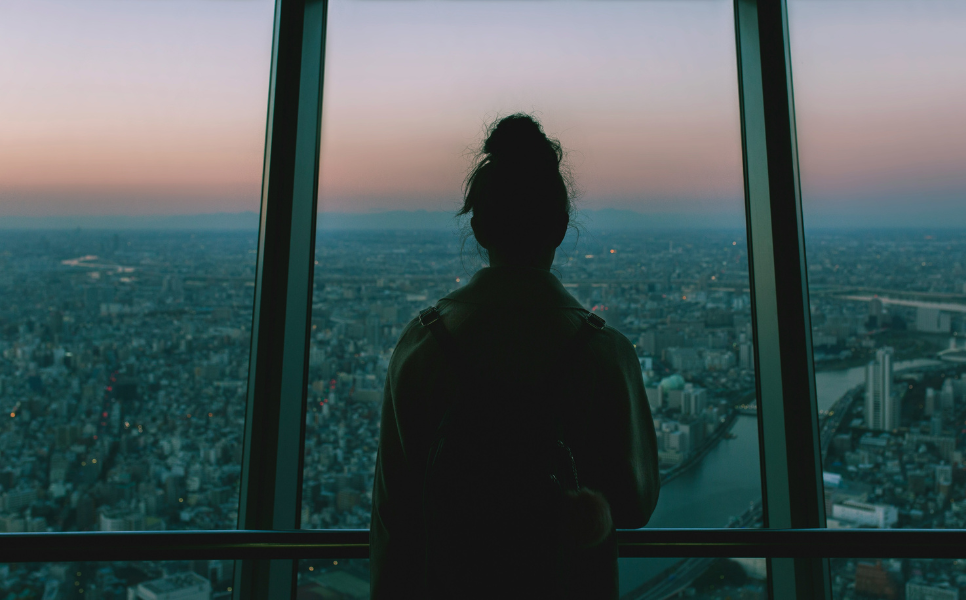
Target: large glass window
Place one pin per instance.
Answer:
(139, 580)
(879, 102)
(333, 578)
(643, 96)
(912, 579)
(130, 165)
(698, 578)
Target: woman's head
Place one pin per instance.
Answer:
(518, 197)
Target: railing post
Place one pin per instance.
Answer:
(787, 408)
(271, 481)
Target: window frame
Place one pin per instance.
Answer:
(788, 415)
(792, 489)
(272, 460)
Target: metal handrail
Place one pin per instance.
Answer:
(354, 543)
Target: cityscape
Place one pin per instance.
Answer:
(891, 306)
(124, 365)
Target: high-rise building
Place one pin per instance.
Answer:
(944, 477)
(932, 320)
(746, 355)
(947, 397)
(693, 400)
(694, 430)
(655, 397)
(881, 409)
(684, 359)
(373, 330)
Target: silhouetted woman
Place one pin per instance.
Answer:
(516, 433)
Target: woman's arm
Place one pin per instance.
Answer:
(395, 536)
(622, 446)
(642, 448)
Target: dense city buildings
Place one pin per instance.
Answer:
(124, 361)
(887, 316)
(135, 580)
(122, 379)
(898, 579)
(681, 299)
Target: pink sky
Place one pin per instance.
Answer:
(880, 92)
(158, 106)
(642, 95)
(132, 107)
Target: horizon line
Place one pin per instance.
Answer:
(607, 218)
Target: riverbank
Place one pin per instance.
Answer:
(705, 447)
(908, 348)
(715, 489)
(722, 483)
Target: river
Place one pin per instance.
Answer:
(832, 385)
(729, 478)
(719, 487)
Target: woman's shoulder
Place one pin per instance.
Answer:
(612, 347)
(415, 346)
(412, 338)
(606, 339)
(607, 349)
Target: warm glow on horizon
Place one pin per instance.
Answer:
(145, 107)
(132, 107)
(880, 91)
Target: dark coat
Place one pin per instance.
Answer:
(606, 419)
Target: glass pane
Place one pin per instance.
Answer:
(643, 98)
(878, 89)
(702, 578)
(184, 579)
(346, 579)
(130, 162)
(887, 579)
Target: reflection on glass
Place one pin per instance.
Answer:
(643, 98)
(149, 580)
(882, 168)
(131, 145)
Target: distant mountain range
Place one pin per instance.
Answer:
(604, 219)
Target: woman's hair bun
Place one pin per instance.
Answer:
(519, 138)
(516, 192)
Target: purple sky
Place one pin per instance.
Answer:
(880, 100)
(158, 107)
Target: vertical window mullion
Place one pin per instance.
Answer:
(272, 461)
(787, 408)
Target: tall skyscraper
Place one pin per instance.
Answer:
(373, 330)
(693, 400)
(881, 409)
(875, 313)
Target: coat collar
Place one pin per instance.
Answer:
(516, 285)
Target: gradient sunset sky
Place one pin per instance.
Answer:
(158, 106)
